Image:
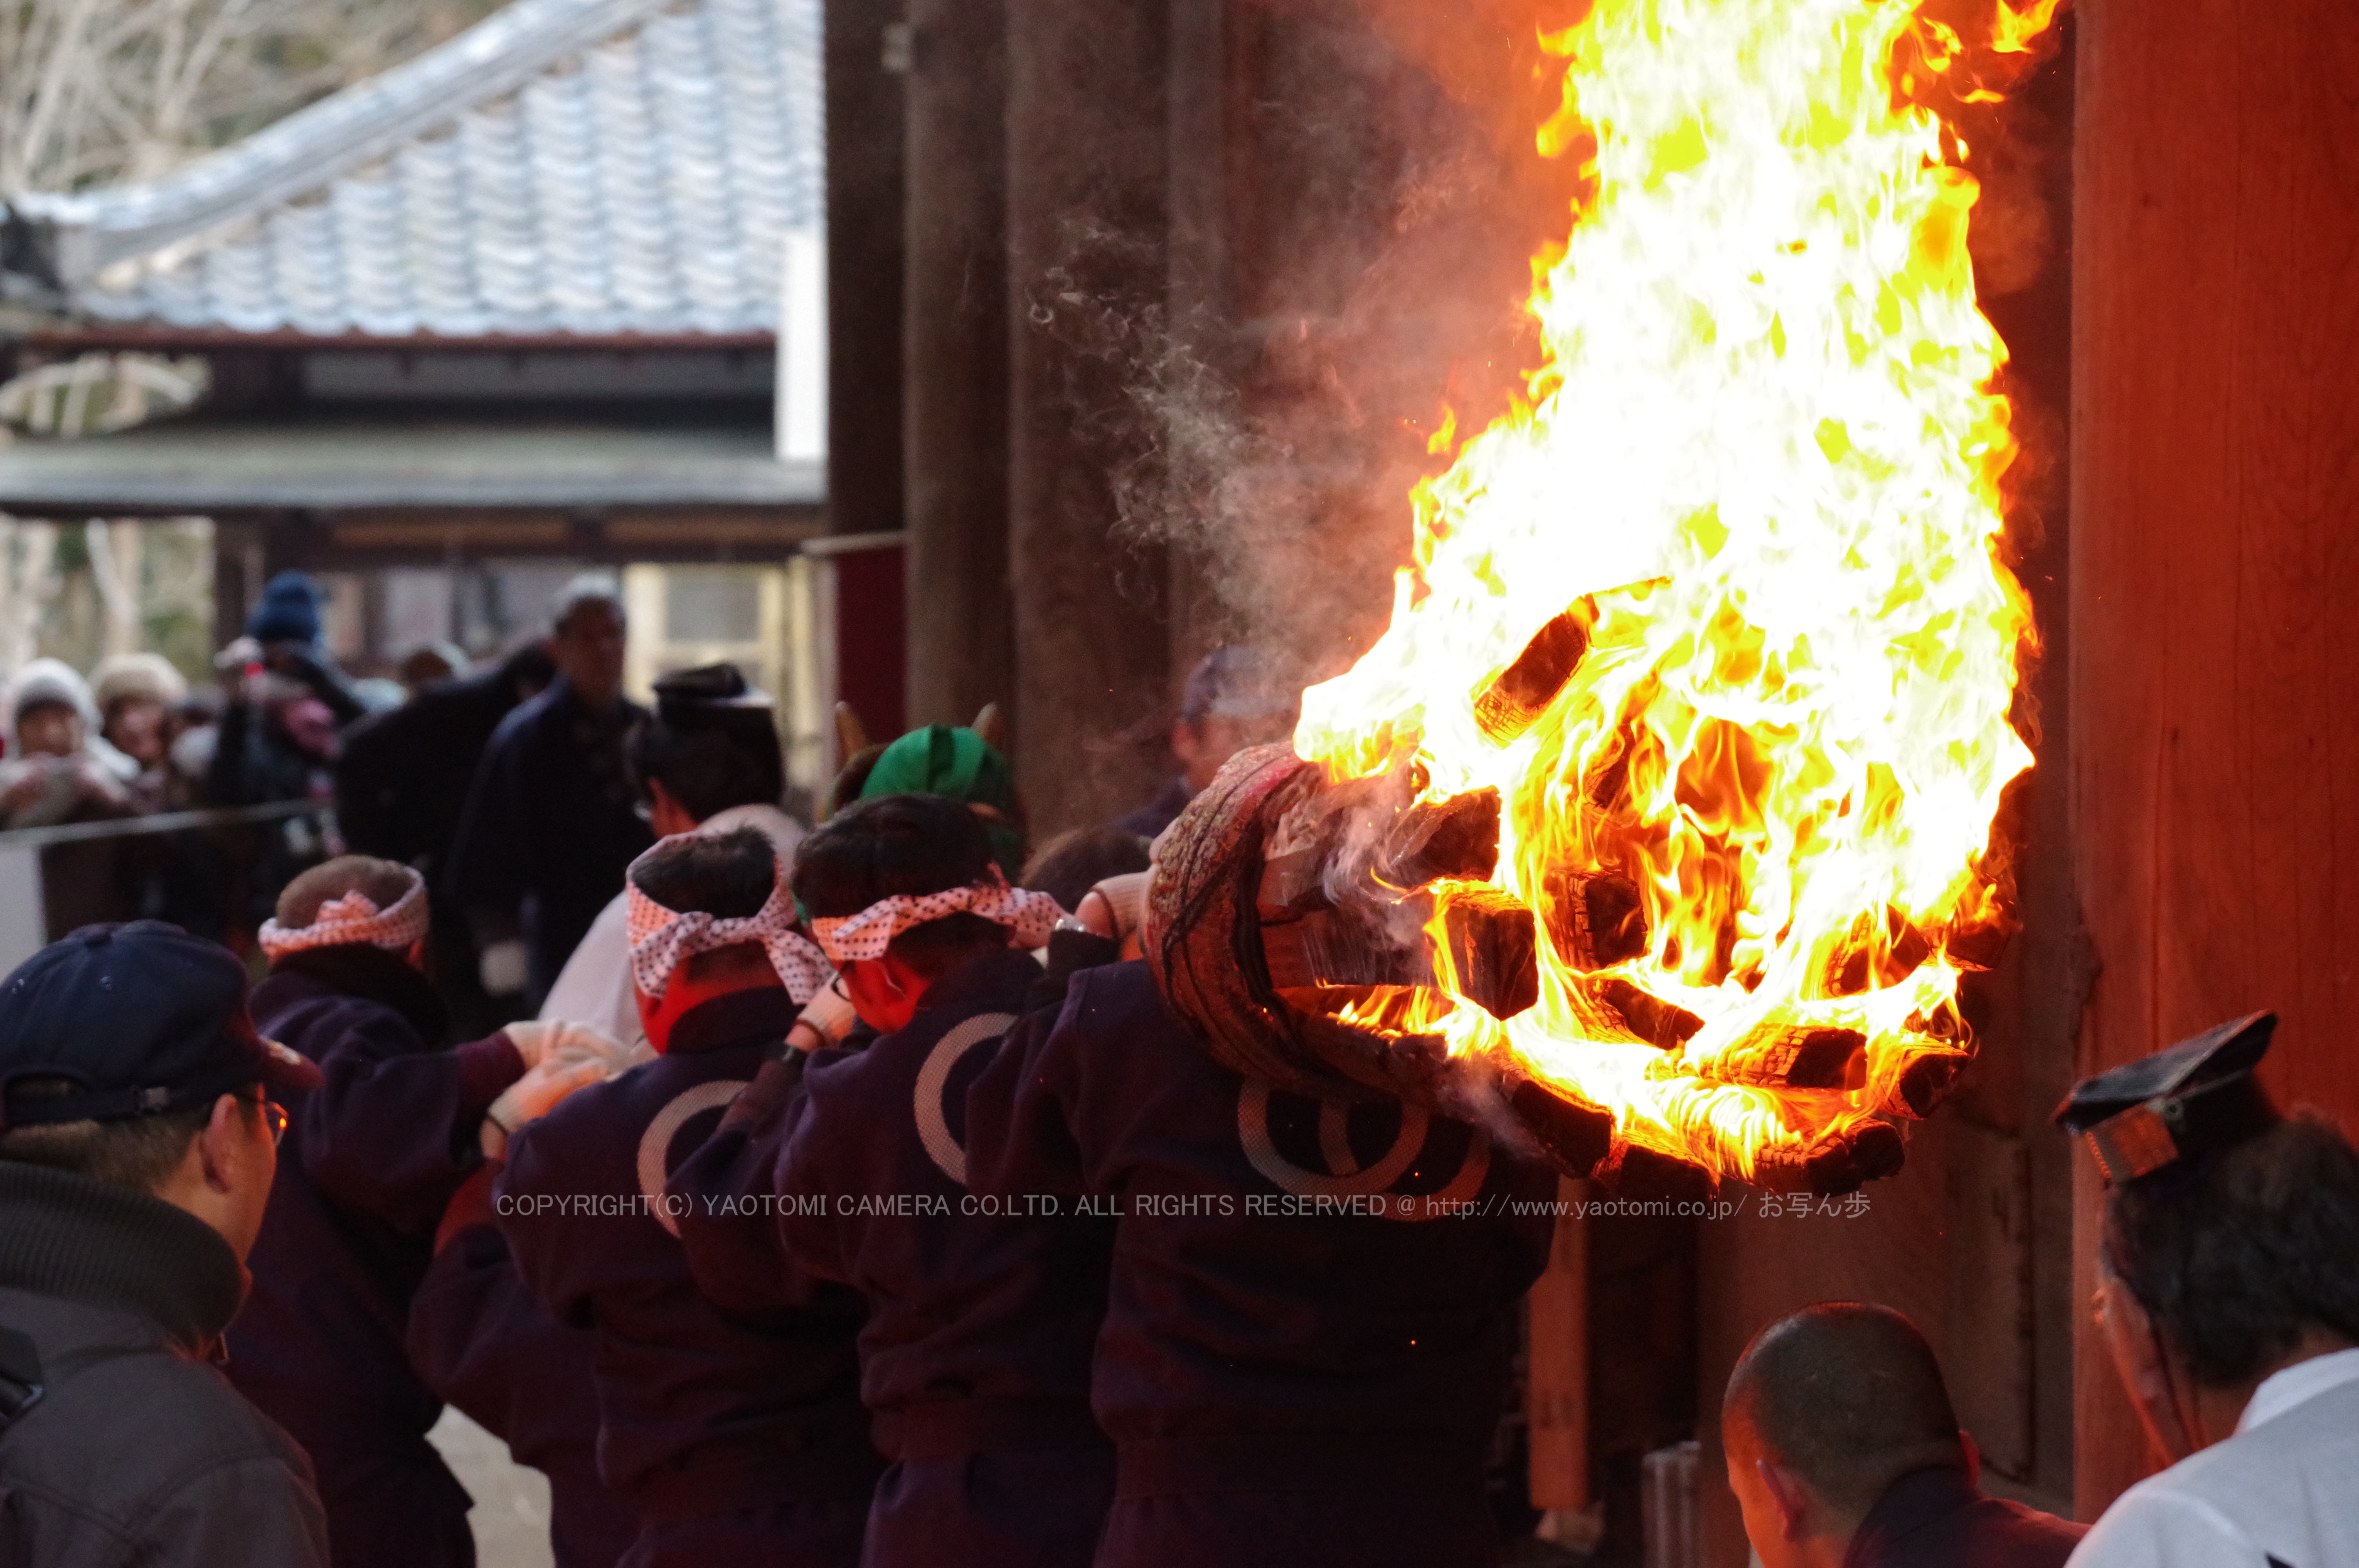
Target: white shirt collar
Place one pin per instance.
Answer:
(2299, 1384)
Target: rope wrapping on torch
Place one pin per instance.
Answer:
(1203, 943)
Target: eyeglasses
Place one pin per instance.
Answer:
(272, 1113)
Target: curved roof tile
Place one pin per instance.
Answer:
(590, 167)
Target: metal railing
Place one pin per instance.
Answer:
(198, 868)
(162, 822)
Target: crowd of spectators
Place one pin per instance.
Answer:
(277, 723)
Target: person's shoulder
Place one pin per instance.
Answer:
(836, 1069)
(383, 730)
(524, 718)
(290, 1004)
(1122, 999)
(151, 1423)
(2167, 1519)
(573, 1139)
(2028, 1536)
(1126, 985)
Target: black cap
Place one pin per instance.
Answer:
(144, 1017)
(2187, 1099)
(708, 695)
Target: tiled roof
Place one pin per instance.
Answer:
(589, 168)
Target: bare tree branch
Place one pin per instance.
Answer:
(99, 91)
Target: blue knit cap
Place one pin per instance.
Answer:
(288, 611)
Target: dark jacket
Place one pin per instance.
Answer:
(1312, 1304)
(550, 826)
(963, 1307)
(255, 760)
(701, 1412)
(138, 1453)
(370, 1161)
(482, 1342)
(1936, 1518)
(402, 780)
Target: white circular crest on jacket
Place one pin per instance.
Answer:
(654, 1143)
(1345, 1178)
(933, 1125)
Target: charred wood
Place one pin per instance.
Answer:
(1335, 948)
(1663, 1025)
(1872, 959)
(1493, 946)
(1458, 838)
(1839, 1163)
(1576, 1136)
(1792, 1056)
(1643, 1175)
(1926, 1082)
(1979, 943)
(1595, 919)
(1513, 700)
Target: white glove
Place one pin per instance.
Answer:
(557, 1041)
(502, 967)
(1121, 905)
(826, 1019)
(540, 1091)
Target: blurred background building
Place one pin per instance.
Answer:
(548, 296)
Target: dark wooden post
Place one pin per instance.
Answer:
(1201, 307)
(954, 345)
(863, 269)
(2215, 658)
(1086, 202)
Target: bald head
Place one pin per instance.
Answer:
(1848, 1395)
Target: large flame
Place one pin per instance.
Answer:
(1760, 466)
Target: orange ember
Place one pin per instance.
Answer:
(1719, 613)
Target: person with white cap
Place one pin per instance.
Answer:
(135, 694)
(2228, 1288)
(58, 767)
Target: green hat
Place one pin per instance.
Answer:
(947, 760)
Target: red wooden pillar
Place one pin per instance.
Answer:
(2215, 654)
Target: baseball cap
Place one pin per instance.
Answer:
(142, 1017)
